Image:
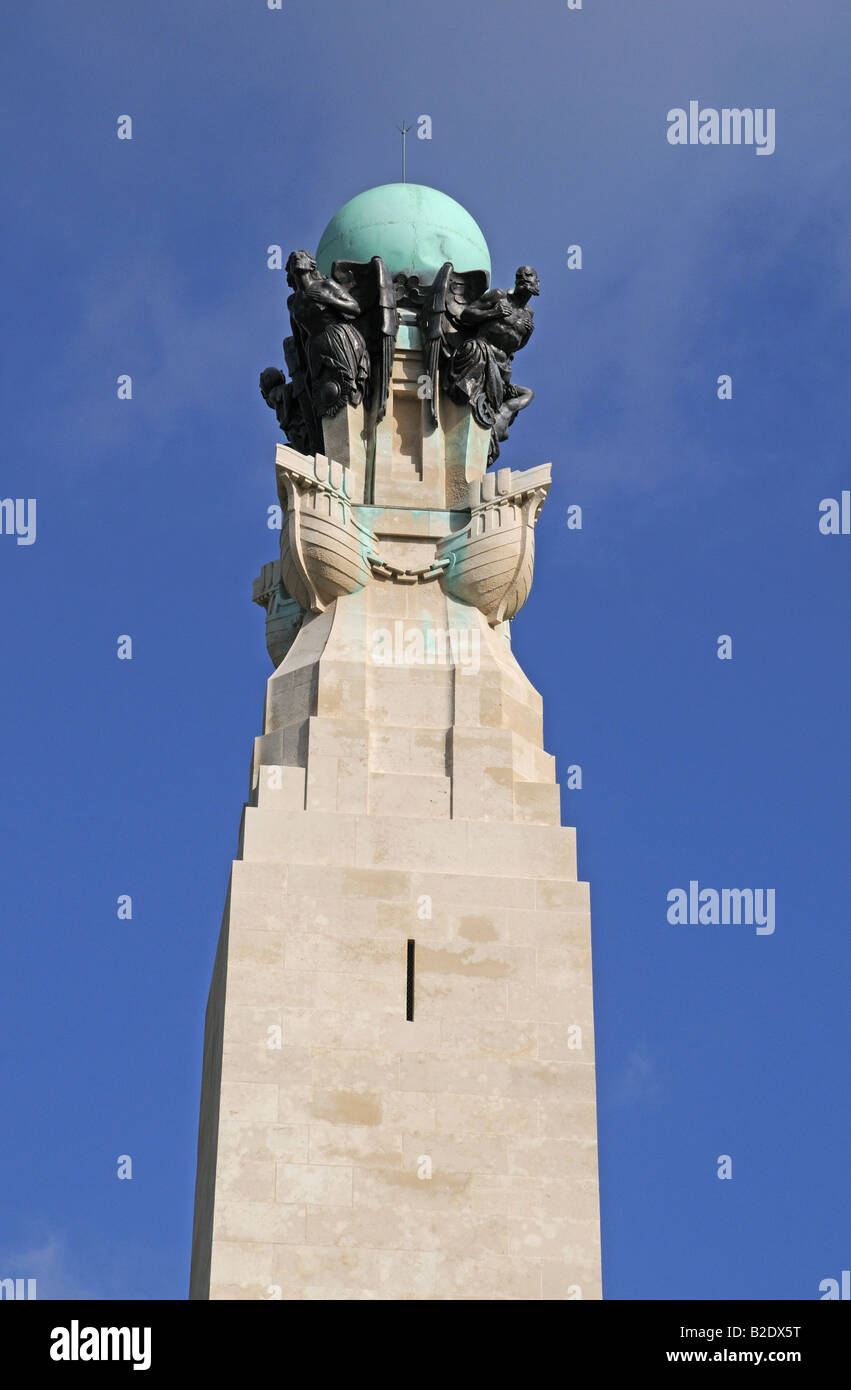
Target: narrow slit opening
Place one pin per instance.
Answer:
(409, 1014)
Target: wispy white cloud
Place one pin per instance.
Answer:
(187, 361)
(638, 1082)
(48, 1260)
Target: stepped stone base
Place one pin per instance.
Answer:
(347, 1151)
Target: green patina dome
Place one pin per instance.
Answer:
(413, 228)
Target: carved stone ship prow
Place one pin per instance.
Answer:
(324, 548)
(492, 559)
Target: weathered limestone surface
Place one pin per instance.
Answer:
(400, 792)
(396, 803)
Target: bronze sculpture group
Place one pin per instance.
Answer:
(344, 329)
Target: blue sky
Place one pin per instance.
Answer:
(251, 127)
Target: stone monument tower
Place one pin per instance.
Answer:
(398, 1094)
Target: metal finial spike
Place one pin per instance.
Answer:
(403, 131)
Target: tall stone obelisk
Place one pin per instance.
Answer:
(398, 1096)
